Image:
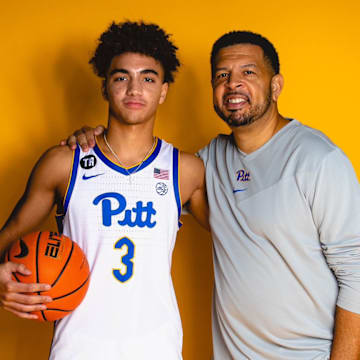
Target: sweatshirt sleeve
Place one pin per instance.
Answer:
(336, 211)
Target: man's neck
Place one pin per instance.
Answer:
(130, 143)
(251, 137)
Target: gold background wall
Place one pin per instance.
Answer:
(47, 90)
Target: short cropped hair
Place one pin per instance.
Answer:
(135, 37)
(246, 37)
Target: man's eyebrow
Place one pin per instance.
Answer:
(114, 71)
(242, 66)
(124, 71)
(149, 71)
(249, 65)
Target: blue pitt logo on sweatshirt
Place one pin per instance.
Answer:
(140, 215)
(242, 175)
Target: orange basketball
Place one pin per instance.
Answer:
(56, 260)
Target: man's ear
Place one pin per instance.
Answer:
(277, 84)
(164, 90)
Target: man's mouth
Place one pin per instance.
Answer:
(235, 102)
(134, 104)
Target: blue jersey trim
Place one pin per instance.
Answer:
(72, 179)
(176, 182)
(127, 171)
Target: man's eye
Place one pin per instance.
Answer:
(222, 75)
(249, 72)
(148, 79)
(120, 78)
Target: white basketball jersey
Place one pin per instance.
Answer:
(127, 227)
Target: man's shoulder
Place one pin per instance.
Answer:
(58, 153)
(57, 157)
(311, 144)
(312, 138)
(190, 162)
(57, 160)
(219, 143)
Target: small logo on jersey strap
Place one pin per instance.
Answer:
(161, 188)
(88, 162)
(242, 175)
(84, 177)
(24, 250)
(161, 174)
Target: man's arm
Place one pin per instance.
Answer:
(47, 182)
(337, 218)
(346, 342)
(193, 192)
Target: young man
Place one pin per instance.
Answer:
(121, 203)
(286, 238)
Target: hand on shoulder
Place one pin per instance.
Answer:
(85, 137)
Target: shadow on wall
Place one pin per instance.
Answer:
(70, 96)
(79, 89)
(83, 100)
(24, 339)
(193, 281)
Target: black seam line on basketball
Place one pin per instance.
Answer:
(14, 274)
(54, 309)
(16, 277)
(43, 315)
(37, 259)
(62, 296)
(64, 267)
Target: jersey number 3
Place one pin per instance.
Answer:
(126, 246)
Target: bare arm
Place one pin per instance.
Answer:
(47, 183)
(346, 342)
(193, 191)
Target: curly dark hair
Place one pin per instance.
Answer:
(246, 37)
(135, 37)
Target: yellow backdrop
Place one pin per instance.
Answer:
(47, 90)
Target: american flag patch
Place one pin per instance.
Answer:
(161, 174)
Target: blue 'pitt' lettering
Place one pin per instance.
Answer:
(243, 175)
(131, 217)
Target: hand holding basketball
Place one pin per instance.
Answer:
(13, 295)
(52, 259)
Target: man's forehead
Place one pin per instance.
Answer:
(240, 52)
(135, 61)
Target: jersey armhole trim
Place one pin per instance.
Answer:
(70, 187)
(176, 182)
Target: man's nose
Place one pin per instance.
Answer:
(235, 80)
(134, 87)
